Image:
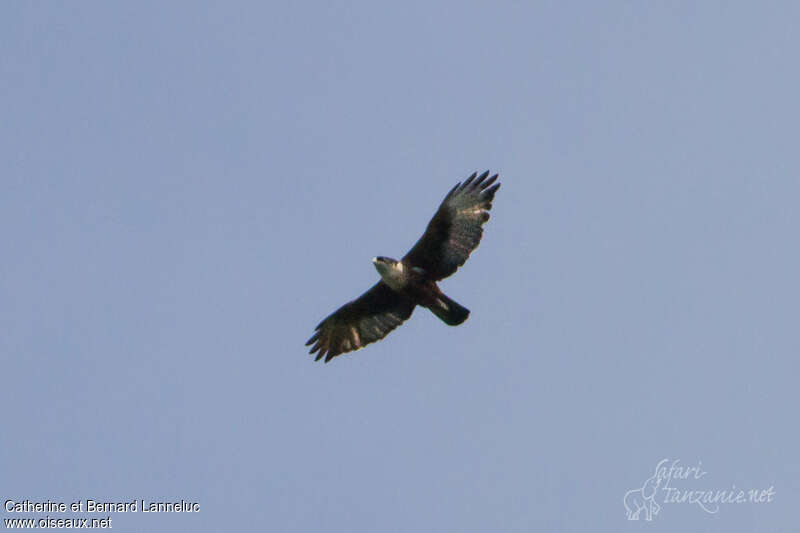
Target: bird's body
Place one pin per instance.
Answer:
(450, 237)
(416, 285)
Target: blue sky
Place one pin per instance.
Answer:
(188, 188)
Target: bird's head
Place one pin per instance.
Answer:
(386, 265)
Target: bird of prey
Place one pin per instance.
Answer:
(452, 234)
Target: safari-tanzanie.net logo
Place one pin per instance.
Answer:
(675, 483)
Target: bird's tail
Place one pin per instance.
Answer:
(451, 312)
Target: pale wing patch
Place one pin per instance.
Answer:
(356, 336)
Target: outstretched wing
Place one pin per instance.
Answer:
(368, 318)
(455, 230)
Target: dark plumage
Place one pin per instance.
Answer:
(368, 318)
(452, 234)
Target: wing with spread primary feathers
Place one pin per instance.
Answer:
(455, 230)
(368, 318)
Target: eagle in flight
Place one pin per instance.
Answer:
(453, 232)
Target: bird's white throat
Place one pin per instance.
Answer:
(393, 274)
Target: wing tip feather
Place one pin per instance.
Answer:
(475, 182)
(480, 179)
(489, 182)
(489, 193)
(468, 181)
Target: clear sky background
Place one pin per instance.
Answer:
(189, 187)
